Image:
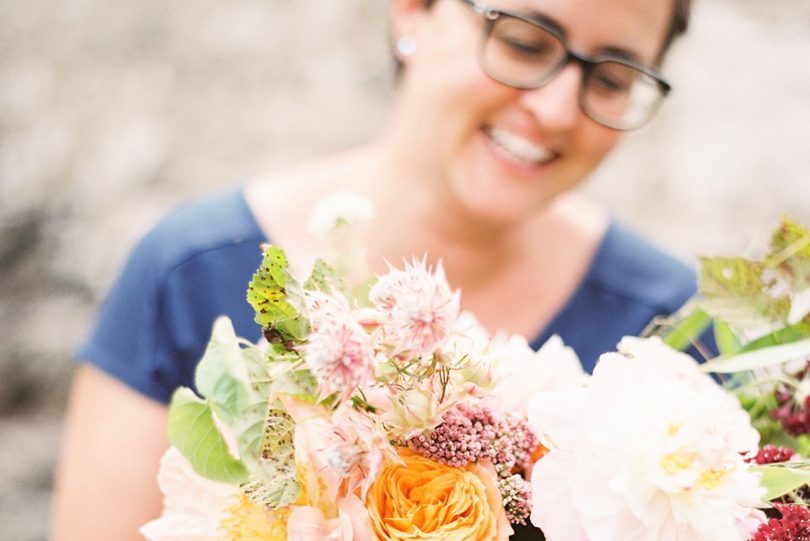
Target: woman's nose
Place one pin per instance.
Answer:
(555, 105)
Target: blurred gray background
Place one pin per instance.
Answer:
(112, 112)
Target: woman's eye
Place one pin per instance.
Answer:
(609, 83)
(527, 48)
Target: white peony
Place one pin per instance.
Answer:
(521, 372)
(650, 450)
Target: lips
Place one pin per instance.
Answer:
(517, 148)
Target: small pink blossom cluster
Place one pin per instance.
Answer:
(417, 308)
(516, 494)
(466, 434)
(514, 445)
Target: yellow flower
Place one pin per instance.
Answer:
(247, 521)
(423, 499)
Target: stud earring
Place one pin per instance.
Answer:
(405, 46)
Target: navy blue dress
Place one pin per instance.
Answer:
(196, 264)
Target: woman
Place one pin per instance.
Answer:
(501, 110)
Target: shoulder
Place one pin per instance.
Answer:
(189, 269)
(629, 266)
(218, 222)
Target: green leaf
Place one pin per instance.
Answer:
(736, 293)
(193, 432)
(234, 377)
(298, 383)
(274, 480)
(323, 277)
(222, 375)
(779, 480)
(803, 445)
(271, 292)
(790, 253)
(761, 358)
(727, 342)
(271, 495)
(786, 335)
(689, 324)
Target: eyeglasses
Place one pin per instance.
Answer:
(524, 53)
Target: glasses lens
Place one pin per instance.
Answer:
(521, 54)
(620, 96)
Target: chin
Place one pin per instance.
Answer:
(498, 208)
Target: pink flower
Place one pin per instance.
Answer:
(418, 308)
(351, 524)
(338, 351)
(342, 452)
(193, 507)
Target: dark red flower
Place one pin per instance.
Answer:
(793, 526)
(772, 454)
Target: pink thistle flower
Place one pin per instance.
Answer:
(418, 308)
(339, 354)
(324, 307)
(346, 449)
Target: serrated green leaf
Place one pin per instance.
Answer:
(271, 293)
(270, 494)
(790, 252)
(297, 383)
(761, 358)
(277, 441)
(736, 293)
(193, 432)
(779, 480)
(323, 277)
(272, 459)
(686, 327)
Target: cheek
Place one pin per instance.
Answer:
(594, 143)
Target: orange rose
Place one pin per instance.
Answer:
(427, 500)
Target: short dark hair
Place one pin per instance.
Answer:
(681, 10)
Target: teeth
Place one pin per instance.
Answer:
(518, 147)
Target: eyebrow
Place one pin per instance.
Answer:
(620, 54)
(609, 51)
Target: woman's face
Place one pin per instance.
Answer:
(504, 153)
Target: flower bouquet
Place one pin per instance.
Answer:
(383, 412)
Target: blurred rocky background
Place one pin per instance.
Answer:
(112, 112)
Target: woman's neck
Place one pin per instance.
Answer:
(546, 253)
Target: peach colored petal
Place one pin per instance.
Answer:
(306, 524)
(354, 518)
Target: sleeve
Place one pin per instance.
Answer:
(126, 338)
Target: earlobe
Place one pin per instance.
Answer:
(405, 46)
(405, 20)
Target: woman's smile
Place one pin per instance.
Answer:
(518, 150)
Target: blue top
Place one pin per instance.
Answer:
(196, 264)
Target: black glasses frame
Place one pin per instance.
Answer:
(587, 63)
